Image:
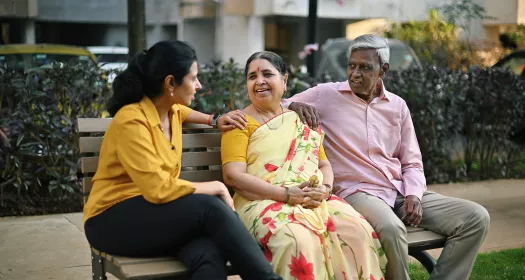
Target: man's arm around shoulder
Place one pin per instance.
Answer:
(305, 104)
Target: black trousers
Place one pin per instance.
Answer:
(198, 229)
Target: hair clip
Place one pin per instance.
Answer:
(144, 51)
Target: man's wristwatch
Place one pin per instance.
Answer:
(214, 120)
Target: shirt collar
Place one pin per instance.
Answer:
(344, 87)
(151, 112)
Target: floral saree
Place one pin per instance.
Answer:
(332, 241)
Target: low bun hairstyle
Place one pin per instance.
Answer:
(147, 71)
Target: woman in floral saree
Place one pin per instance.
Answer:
(283, 179)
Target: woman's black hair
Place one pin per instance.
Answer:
(147, 71)
(271, 57)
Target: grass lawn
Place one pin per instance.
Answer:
(503, 265)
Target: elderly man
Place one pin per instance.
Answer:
(371, 143)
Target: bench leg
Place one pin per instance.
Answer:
(97, 267)
(425, 259)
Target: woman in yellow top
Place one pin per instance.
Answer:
(138, 206)
(283, 184)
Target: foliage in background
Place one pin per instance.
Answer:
(464, 120)
(461, 13)
(38, 112)
(223, 88)
(436, 40)
(514, 39)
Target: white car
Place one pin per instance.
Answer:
(111, 58)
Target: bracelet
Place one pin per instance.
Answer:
(329, 190)
(287, 195)
(209, 120)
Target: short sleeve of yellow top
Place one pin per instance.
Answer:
(234, 143)
(137, 159)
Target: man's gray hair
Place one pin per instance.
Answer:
(370, 41)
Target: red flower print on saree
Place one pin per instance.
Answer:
(301, 268)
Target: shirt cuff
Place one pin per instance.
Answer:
(415, 190)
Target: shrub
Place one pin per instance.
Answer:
(464, 121)
(39, 109)
(224, 88)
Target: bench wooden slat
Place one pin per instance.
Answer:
(93, 125)
(96, 125)
(190, 159)
(198, 140)
(424, 237)
(86, 185)
(414, 229)
(161, 269)
(90, 144)
(201, 159)
(201, 140)
(202, 175)
(144, 268)
(192, 176)
(88, 164)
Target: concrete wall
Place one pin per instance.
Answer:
(107, 11)
(200, 33)
(238, 37)
(351, 9)
(504, 13)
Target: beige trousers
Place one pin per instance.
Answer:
(464, 222)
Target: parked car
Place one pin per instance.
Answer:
(334, 58)
(26, 56)
(515, 62)
(112, 59)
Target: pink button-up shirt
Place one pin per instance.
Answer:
(372, 147)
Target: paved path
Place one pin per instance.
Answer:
(54, 247)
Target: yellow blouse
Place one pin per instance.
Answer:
(137, 159)
(234, 143)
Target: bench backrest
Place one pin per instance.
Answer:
(201, 156)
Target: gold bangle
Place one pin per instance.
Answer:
(287, 195)
(329, 190)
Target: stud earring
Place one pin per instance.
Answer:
(171, 92)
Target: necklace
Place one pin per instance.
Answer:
(266, 122)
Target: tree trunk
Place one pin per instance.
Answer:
(136, 27)
(312, 35)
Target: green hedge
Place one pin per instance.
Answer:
(462, 120)
(38, 113)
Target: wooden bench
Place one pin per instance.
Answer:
(201, 161)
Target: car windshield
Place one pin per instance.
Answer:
(335, 59)
(27, 61)
(111, 58)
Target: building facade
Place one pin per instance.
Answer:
(83, 22)
(223, 29)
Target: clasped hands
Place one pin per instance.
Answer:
(309, 194)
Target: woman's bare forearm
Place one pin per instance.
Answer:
(328, 173)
